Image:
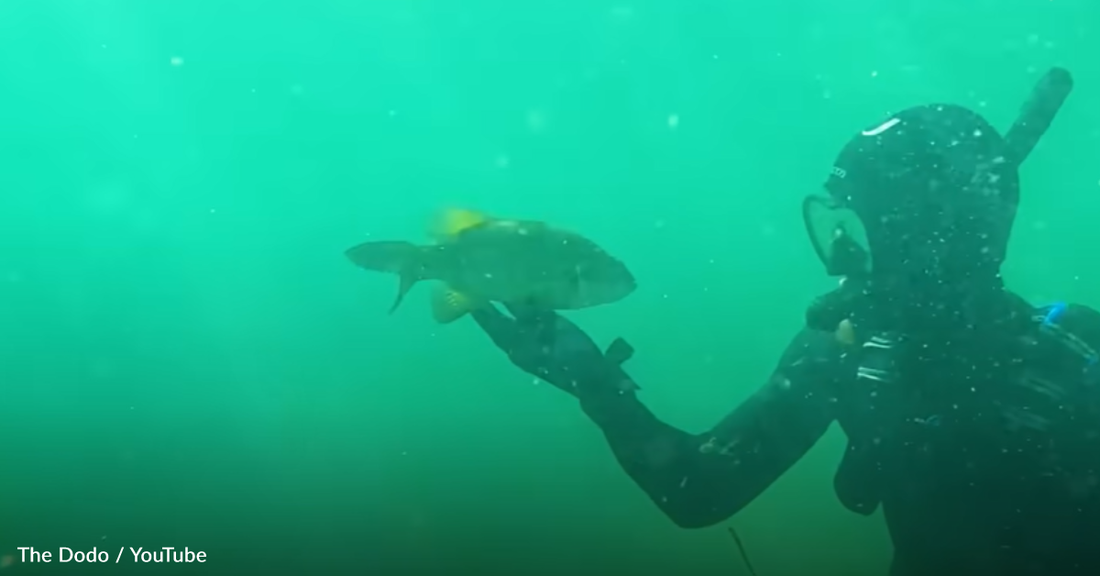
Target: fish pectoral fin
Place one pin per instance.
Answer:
(619, 351)
(449, 305)
(453, 221)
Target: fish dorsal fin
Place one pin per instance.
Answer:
(451, 222)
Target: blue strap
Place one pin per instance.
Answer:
(1054, 312)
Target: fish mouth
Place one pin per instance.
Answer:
(625, 284)
(606, 293)
(606, 283)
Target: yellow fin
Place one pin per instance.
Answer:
(449, 305)
(451, 222)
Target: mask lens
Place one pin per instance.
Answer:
(838, 236)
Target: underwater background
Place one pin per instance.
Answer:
(187, 358)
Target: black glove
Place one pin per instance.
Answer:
(548, 346)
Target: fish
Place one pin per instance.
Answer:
(477, 259)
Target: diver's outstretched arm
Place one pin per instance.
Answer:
(697, 480)
(700, 480)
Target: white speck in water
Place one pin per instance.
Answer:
(536, 121)
(874, 73)
(176, 61)
(714, 56)
(404, 453)
(982, 104)
(392, 113)
(622, 11)
(131, 407)
(104, 46)
(488, 275)
(977, 133)
(673, 121)
(213, 210)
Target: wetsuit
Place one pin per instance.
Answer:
(996, 474)
(972, 417)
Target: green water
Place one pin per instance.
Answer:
(186, 358)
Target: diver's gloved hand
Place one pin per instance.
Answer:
(550, 347)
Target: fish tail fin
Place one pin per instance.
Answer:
(405, 282)
(405, 259)
(449, 304)
(451, 222)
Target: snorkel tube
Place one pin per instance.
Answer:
(1038, 113)
(1035, 117)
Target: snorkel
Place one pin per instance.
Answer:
(850, 303)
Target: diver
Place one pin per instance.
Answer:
(972, 417)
